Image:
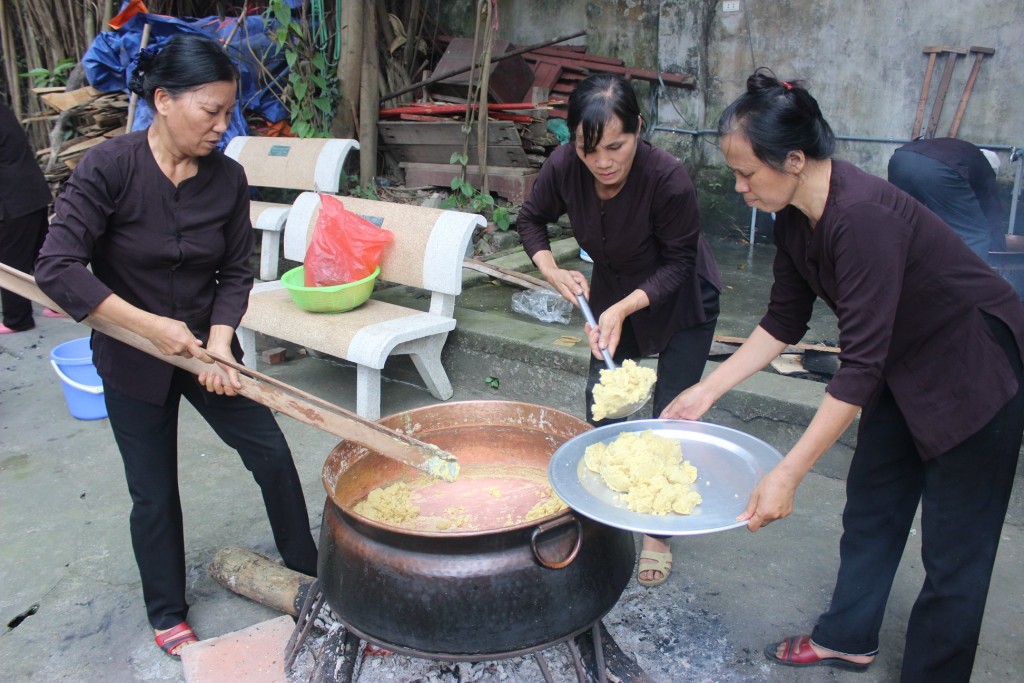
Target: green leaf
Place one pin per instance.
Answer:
(492, 382)
(291, 57)
(323, 104)
(502, 218)
(301, 87)
(456, 183)
(320, 81)
(320, 63)
(283, 13)
(36, 73)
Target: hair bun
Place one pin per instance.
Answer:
(142, 63)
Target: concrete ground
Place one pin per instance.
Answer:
(66, 563)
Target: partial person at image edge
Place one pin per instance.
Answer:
(956, 180)
(24, 200)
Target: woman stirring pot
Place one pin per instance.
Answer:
(931, 344)
(163, 220)
(633, 208)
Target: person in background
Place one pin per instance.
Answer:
(163, 220)
(957, 181)
(633, 209)
(939, 426)
(24, 199)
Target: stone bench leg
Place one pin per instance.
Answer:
(269, 254)
(368, 392)
(426, 355)
(247, 338)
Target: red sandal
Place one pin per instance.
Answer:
(175, 637)
(797, 651)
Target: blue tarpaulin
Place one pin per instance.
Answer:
(109, 60)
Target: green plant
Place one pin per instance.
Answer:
(312, 85)
(45, 78)
(465, 196)
(492, 382)
(354, 189)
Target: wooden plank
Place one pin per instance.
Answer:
(503, 155)
(513, 183)
(566, 54)
(546, 75)
(499, 133)
(62, 101)
(792, 348)
(514, 277)
(80, 147)
(678, 80)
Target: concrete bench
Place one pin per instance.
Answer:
(314, 164)
(427, 254)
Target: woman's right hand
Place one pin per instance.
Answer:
(173, 338)
(568, 283)
(689, 405)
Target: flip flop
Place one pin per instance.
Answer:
(656, 562)
(179, 635)
(799, 653)
(48, 313)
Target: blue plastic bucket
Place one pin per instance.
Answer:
(83, 389)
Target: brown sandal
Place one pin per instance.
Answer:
(656, 562)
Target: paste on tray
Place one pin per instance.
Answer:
(648, 470)
(390, 504)
(624, 386)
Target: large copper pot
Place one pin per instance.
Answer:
(461, 594)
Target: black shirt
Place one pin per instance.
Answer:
(646, 237)
(181, 252)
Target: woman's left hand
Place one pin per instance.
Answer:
(608, 332)
(771, 499)
(221, 379)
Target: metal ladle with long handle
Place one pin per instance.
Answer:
(629, 408)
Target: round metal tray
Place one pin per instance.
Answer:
(729, 464)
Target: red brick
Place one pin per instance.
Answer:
(252, 655)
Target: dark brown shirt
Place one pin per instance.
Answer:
(909, 296)
(180, 252)
(23, 188)
(647, 237)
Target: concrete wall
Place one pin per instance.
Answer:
(862, 60)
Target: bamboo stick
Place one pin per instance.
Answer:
(346, 114)
(10, 68)
(369, 86)
(134, 99)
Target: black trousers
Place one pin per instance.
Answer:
(963, 494)
(21, 239)
(147, 436)
(680, 364)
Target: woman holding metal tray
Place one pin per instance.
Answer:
(931, 344)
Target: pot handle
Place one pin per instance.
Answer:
(544, 528)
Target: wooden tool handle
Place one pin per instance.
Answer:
(272, 393)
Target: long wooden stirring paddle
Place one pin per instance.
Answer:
(272, 393)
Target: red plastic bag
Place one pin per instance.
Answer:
(345, 246)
